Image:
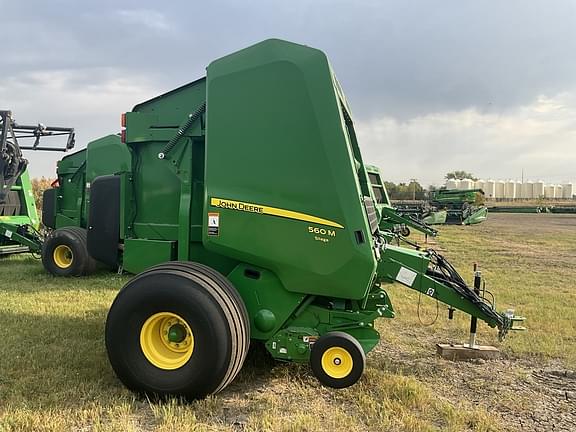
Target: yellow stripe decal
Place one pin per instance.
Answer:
(272, 211)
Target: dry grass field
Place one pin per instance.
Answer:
(54, 374)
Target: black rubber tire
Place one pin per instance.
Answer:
(208, 303)
(405, 231)
(75, 238)
(341, 340)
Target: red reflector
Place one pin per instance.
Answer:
(55, 184)
(123, 120)
(123, 136)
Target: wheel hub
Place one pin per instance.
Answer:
(177, 333)
(337, 362)
(166, 340)
(63, 256)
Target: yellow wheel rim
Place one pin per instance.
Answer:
(167, 340)
(337, 362)
(63, 256)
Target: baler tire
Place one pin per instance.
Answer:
(339, 346)
(72, 241)
(207, 306)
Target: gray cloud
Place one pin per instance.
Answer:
(406, 62)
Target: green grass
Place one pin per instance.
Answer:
(529, 268)
(54, 373)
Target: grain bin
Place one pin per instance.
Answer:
(499, 189)
(518, 189)
(451, 184)
(479, 184)
(527, 190)
(538, 189)
(558, 191)
(510, 189)
(549, 191)
(490, 189)
(466, 184)
(568, 190)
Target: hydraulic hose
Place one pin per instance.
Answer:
(445, 273)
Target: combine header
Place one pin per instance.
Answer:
(19, 221)
(463, 206)
(242, 203)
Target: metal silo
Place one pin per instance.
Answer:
(527, 190)
(490, 189)
(466, 184)
(558, 191)
(510, 189)
(538, 189)
(499, 189)
(451, 184)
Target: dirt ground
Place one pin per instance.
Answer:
(527, 395)
(526, 223)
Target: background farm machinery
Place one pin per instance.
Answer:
(454, 206)
(390, 219)
(198, 197)
(19, 220)
(463, 206)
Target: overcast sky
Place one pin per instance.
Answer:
(434, 86)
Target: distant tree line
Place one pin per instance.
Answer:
(414, 190)
(460, 175)
(405, 191)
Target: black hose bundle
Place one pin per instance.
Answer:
(445, 273)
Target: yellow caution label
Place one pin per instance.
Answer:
(272, 211)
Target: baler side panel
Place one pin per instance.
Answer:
(71, 202)
(280, 177)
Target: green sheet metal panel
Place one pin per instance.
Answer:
(477, 215)
(435, 218)
(162, 188)
(70, 203)
(281, 180)
(107, 156)
(140, 254)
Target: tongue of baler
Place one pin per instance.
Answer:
(430, 273)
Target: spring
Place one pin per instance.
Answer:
(191, 119)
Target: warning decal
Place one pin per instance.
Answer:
(406, 276)
(213, 224)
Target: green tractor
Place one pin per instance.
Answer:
(19, 222)
(463, 206)
(390, 219)
(198, 198)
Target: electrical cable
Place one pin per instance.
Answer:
(418, 312)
